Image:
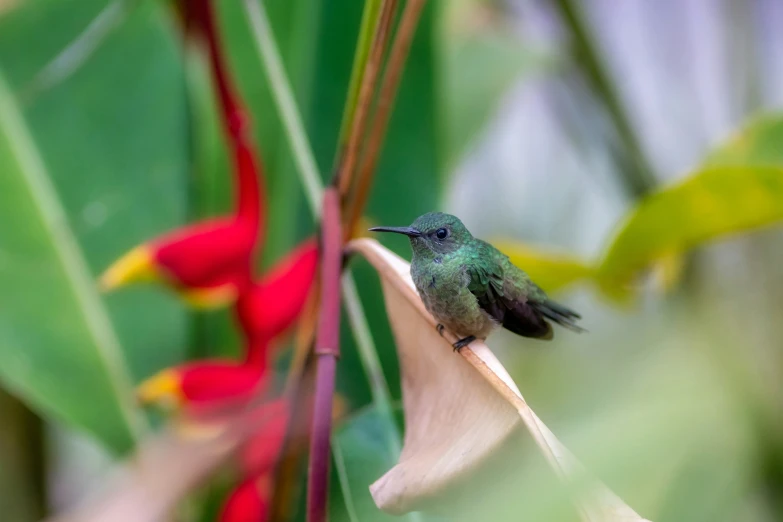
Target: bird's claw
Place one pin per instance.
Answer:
(440, 329)
(459, 345)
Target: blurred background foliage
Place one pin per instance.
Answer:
(594, 139)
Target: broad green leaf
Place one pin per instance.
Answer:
(759, 143)
(57, 345)
(739, 189)
(360, 448)
(112, 136)
(552, 271)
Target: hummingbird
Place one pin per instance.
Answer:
(472, 288)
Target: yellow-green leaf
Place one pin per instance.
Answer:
(713, 203)
(739, 188)
(550, 270)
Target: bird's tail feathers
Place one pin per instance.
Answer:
(559, 314)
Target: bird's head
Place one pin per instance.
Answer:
(433, 234)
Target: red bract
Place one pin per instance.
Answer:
(208, 263)
(202, 387)
(265, 310)
(250, 502)
(270, 307)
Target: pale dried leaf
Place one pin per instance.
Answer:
(166, 467)
(460, 410)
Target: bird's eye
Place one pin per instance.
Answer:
(441, 233)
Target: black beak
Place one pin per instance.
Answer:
(408, 231)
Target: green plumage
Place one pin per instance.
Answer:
(471, 288)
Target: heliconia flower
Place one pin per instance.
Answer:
(208, 263)
(250, 502)
(203, 387)
(271, 306)
(265, 310)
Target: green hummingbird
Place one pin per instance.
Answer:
(471, 288)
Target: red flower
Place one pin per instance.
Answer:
(250, 502)
(270, 307)
(264, 310)
(208, 263)
(203, 387)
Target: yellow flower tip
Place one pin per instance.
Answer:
(162, 389)
(210, 298)
(135, 266)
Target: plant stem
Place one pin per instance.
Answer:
(327, 350)
(381, 396)
(389, 85)
(342, 476)
(639, 178)
(347, 157)
(368, 27)
(286, 104)
(357, 318)
(311, 180)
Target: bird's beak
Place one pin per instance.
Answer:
(408, 231)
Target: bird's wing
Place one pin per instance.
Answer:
(536, 299)
(514, 312)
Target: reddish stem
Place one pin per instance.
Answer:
(246, 166)
(388, 91)
(327, 350)
(366, 89)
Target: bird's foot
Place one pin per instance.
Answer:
(440, 329)
(459, 345)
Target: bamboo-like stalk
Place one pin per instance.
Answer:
(388, 91)
(367, 29)
(327, 350)
(347, 158)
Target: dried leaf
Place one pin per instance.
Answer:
(149, 485)
(460, 410)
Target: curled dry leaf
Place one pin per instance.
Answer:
(459, 411)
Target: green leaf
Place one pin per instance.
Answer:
(112, 136)
(55, 360)
(361, 454)
(739, 189)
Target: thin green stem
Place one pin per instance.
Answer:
(367, 29)
(342, 477)
(381, 396)
(286, 104)
(639, 177)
